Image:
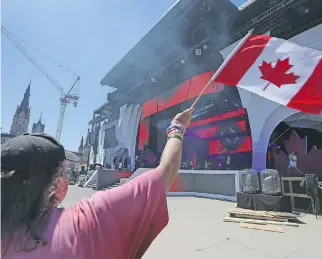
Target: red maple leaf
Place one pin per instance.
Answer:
(277, 75)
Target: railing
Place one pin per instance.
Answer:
(291, 193)
(92, 178)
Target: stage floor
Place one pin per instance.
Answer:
(196, 230)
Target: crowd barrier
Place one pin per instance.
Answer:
(213, 184)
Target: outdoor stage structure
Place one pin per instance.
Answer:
(231, 129)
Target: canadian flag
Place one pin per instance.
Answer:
(278, 70)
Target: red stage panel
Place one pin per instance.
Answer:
(199, 82)
(178, 96)
(226, 115)
(215, 147)
(187, 90)
(206, 133)
(143, 133)
(242, 124)
(123, 174)
(149, 107)
(210, 132)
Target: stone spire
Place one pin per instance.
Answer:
(38, 127)
(20, 120)
(24, 106)
(88, 139)
(81, 146)
(40, 117)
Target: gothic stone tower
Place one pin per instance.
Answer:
(81, 146)
(20, 120)
(86, 147)
(38, 127)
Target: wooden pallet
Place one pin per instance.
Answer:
(270, 228)
(260, 222)
(262, 215)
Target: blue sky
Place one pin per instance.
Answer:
(88, 37)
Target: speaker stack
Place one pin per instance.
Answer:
(262, 191)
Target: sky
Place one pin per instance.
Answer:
(86, 37)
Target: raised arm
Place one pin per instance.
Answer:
(123, 222)
(171, 156)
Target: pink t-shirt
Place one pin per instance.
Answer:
(119, 223)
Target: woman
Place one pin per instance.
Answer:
(119, 223)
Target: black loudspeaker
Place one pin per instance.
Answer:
(251, 181)
(270, 182)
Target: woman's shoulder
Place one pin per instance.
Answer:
(83, 213)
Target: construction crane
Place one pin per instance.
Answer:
(66, 98)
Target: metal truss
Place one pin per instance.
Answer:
(268, 14)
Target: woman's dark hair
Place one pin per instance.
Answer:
(25, 206)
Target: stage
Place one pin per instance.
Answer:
(103, 177)
(212, 184)
(215, 184)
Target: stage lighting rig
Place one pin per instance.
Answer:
(303, 10)
(206, 7)
(197, 52)
(153, 80)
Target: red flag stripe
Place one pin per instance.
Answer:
(309, 97)
(242, 60)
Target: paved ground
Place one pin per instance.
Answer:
(196, 230)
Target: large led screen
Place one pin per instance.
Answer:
(218, 136)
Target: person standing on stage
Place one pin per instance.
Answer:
(292, 160)
(114, 163)
(118, 223)
(120, 164)
(293, 163)
(136, 163)
(228, 161)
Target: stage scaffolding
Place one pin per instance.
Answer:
(274, 19)
(266, 20)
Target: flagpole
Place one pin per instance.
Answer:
(213, 78)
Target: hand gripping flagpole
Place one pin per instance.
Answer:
(213, 78)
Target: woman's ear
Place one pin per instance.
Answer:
(51, 199)
(61, 188)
